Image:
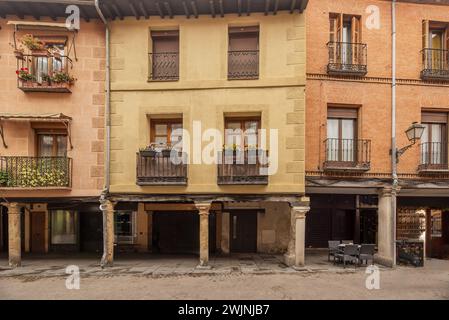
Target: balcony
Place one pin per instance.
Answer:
(243, 65)
(243, 167)
(435, 64)
(44, 73)
(159, 169)
(347, 59)
(433, 158)
(35, 172)
(164, 66)
(347, 155)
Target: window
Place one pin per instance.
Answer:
(243, 53)
(48, 65)
(242, 132)
(435, 43)
(164, 62)
(63, 227)
(166, 132)
(51, 143)
(341, 134)
(345, 37)
(434, 138)
(125, 226)
(436, 223)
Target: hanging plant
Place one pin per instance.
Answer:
(34, 44)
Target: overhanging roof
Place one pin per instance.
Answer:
(51, 117)
(113, 9)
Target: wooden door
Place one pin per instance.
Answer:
(38, 232)
(243, 231)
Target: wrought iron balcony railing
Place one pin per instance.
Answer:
(243, 167)
(44, 73)
(35, 172)
(435, 64)
(347, 154)
(158, 169)
(346, 58)
(164, 66)
(434, 157)
(243, 65)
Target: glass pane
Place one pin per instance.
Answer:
(425, 159)
(332, 140)
(251, 133)
(45, 146)
(233, 134)
(176, 135)
(63, 227)
(437, 138)
(160, 129)
(41, 68)
(62, 146)
(347, 144)
(161, 140)
(123, 223)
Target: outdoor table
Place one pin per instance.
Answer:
(341, 246)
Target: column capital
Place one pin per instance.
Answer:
(13, 207)
(389, 191)
(300, 212)
(203, 207)
(300, 202)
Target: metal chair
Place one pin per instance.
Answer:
(350, 254)
(333, 249)
(347, 241)
(366, 253)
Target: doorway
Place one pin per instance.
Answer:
(37, 232)
(243, 231)
(91, 232)
(368, 226)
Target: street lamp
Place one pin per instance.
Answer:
(414, 133)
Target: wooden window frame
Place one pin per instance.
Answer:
(168, 122)
(54, 133)
(344, 114)
(242, 121)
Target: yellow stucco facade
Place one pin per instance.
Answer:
(203, 93)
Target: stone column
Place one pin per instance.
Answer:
(107, 259)
(387, 227)
(14, 235)
(295, 255)
(203, 209)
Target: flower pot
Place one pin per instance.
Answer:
(18, 54)
(40, 52)
(148, 153)
(166, 153)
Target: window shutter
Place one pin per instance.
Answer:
(425, 34)
(434, 117)
(345, 113)
(355, 30)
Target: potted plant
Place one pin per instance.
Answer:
(61, 77)
(46, 79)
(4, 178)
(24, 75)
(36, 46)
(166, 151)
(148, 152)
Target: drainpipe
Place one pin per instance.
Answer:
(107, 115)
(394, 154)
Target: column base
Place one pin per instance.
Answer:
(203, 267)
(384, 261)
(14, 263)
(289, 259)
(106, 264)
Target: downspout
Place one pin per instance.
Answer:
(394, 154)
(107, 115)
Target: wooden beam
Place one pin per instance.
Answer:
(267, 7)
(292, 6)
(169, 10)
(212, 8)
(133, 10)
(194, 8)
(239, 7)
(117, 10)
(276, 6)
(108, 11)
(248, 7)
(303, 5)
(53, 15)
(144, 10)
(186, 9)
(159, 9)
(220, 2)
